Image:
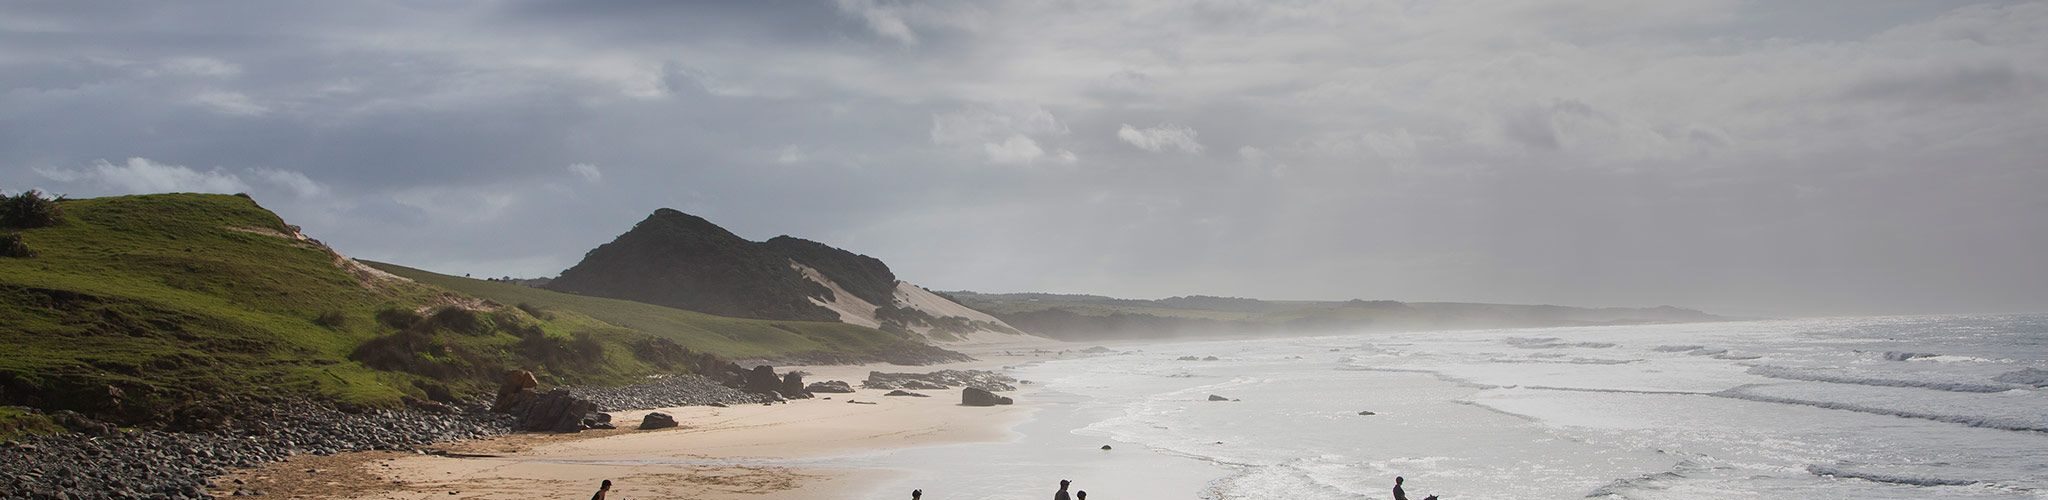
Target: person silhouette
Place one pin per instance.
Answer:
(1398, 494)
(601, 489)
(1080, 495)
(916, 494)
(1062, 495)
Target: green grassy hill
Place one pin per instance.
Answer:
(155, 308)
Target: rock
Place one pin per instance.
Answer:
(516, 388)
(1213, 397)
(762, 380)
(657, 420)
(850, 401)
(1187, 358)
(1105, 447)
(900, 392)
(976, 397)
(555, 411)
(939, 380)
(793, 386)
(1367, 413)
(829, 386)
(1209, 358)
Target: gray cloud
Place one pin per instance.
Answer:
(1818, 157)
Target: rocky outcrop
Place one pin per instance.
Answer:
(829, 386)
(657, 420)
(900, 392)
(942, 379)
(977, 397)
(793, 386)
(762, 380)
(553, 411)
(516, 389)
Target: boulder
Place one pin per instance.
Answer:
(976, 397)
(900, 392)
(515, 390)
(793, 386)
(1213, 397)
(762, 380)
(657, 420)
(1367, 413)
(553, 411)
(829, 386)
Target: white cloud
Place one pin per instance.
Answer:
(791, 154)
(1003, 133)
(144, 176)
(229, 103)
(587, 171)
(140, 175)
(1016, 149)
(297, 183)
(884, 20)
(1161, 138)
(199, 66)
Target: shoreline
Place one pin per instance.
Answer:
(772, 451)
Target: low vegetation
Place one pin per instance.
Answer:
(142, 309)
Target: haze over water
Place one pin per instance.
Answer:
(1906, 407)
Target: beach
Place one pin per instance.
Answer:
(714, 452)
(1839, 408)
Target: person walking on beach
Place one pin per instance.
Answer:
(601, 489)
(1398, 494)
(916, 494)
(1062, 495)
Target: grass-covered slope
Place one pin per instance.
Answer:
(131, 301)
(728, 337)
(160, 308)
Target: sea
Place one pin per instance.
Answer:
(1840, 408)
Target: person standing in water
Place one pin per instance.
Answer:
(1062, 495)
(601, 489)
(1398, 494)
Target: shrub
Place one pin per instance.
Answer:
(11, 245)
(536, 311)
(457, 319)
(398, 319)
(333, 320)
(30, 210)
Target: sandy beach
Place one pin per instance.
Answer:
(714, 452)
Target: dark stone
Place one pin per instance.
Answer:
(1367, 413)
(762, 380)
(829, 386)
(900, 392)
(1213, 397)
(977, 397)
(1105, 447)
(793, 386)
(657, 420)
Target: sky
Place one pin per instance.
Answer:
(1745, 157)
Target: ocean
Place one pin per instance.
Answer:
(1862, 408)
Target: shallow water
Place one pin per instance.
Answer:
(1911, 407)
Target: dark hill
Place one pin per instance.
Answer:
(680, 260)
(683, 261)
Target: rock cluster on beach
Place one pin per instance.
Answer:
(99, 461)
(156, 464)
(942, 379)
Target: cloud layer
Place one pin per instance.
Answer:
(1753, 157)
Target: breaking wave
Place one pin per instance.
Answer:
(1786, 373)
(1838, 471)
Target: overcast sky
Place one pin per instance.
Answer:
(1751, 157)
